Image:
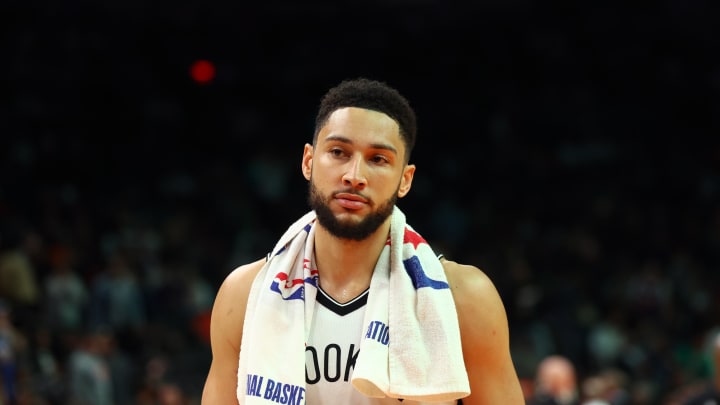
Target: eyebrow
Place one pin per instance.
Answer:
(340, 138)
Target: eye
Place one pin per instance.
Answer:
(380, 159)
(337, 152)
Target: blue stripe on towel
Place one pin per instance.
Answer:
(418, 276)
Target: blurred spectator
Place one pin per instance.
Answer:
(199, 293)
(18, 283)
(89, 374)
(12, 346)
(171, 394)
(606, 338)
(593, 391)
(555, 382)
(66, 294)
(709, 393)
(157, 386)
(123, 370)
(116, 296)
(47, 368)
(607, 387)
(164, 394)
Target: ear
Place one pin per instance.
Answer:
(307, 161)
(406, 180)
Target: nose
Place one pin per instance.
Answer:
(355, 174)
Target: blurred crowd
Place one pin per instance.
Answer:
(106, 295)
(122, 327)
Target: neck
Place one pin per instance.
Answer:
(346, 266)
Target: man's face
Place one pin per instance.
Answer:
(357, 172)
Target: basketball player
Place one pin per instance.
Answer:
(357, 167)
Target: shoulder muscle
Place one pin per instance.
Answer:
(229, 308)
(480, 309)
(226, 327)
(484, 337)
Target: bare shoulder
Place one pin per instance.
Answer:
(226, 327)
(240, 279)
(481, 312)
(484, 336)
(469, 283)
(231, 300)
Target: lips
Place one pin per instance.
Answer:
(351, 197)
(350, 200)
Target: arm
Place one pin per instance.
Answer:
(485, 337)
(226, 326)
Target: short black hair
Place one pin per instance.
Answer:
(371, 95)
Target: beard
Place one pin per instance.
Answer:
(349, 230)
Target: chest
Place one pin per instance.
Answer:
(333, 344)
(331, 353)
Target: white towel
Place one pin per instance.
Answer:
(411, 348)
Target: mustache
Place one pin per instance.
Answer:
(350, 191)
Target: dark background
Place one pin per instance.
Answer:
(569, 150)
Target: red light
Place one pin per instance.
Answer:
(202, 71)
